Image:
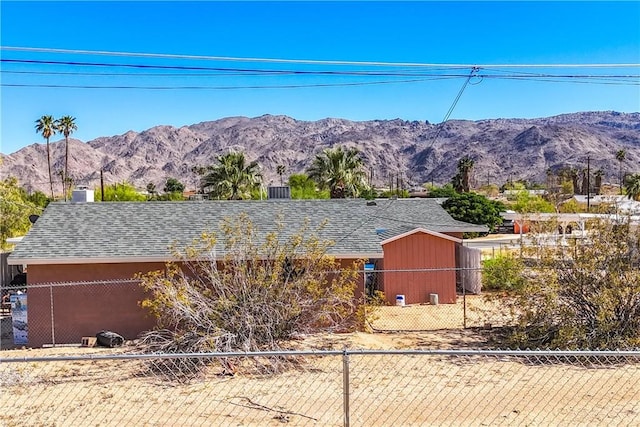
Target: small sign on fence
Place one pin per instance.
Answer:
(19, 318)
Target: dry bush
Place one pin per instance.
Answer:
(260, 291)
(580, 293)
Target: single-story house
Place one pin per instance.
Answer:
(618, 203)
(110, 242)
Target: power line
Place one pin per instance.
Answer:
(229, 73)
(306, 61)
(224, 70)
(474, 72)
(195, 68)
(609, 79)
(297, 86)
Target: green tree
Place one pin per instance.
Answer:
(15, 208)
(340, 170)
(46, 125)
(461, 181)
(632, 186)
(585, 295)
(446, 190)
(120, 192)
(571, 206)
(474, 208)
(400, 194)
(621, 155)
(66, 125)
(39, 199)
(173, 186)
(527, 203)
(303, 187)
(232, 178)
(176, 196)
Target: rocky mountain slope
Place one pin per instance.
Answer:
(503, 149)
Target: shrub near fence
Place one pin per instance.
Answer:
(327, 388)
(63, 313)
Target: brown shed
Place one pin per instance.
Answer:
(419, 263)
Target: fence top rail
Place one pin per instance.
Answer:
(346, 352)
(125, 281)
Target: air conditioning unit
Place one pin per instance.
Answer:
(82, 195)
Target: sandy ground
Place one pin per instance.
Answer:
(384, 390)
(478, 312)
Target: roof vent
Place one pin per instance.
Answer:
(371, 203)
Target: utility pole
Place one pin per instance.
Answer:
(588, 185)
(101, 186)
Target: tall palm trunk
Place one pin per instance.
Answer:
(66, 166)
(49, 165)
(620, 176)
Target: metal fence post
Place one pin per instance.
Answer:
(464, 301)
(345, 386)
(53, 326)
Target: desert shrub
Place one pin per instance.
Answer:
(584, 295)
(502, 273)
(260, 291)
(369, 311)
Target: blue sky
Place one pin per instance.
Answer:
(486, 33)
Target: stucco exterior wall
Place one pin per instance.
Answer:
(85, 310)
(420, 251)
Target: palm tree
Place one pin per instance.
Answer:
(46, 126)
(598, 175)
(632, 186)
(232, 178)
(66, 125)
(620, 156)
(573, 174)
(151, 190)
(340, 170)
(465, 165)
(280, 171)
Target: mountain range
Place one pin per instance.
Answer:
(413, 152)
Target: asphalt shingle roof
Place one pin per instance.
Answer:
(131, 231)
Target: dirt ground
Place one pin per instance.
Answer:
(479, 312)
(409, 389)
(384, 389)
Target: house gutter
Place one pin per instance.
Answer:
(151, 259)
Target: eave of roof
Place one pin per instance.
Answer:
(144, 260)
(424, 231)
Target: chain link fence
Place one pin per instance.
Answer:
(103, 387)
(53, 314)
(432, 299)
(414, 300)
